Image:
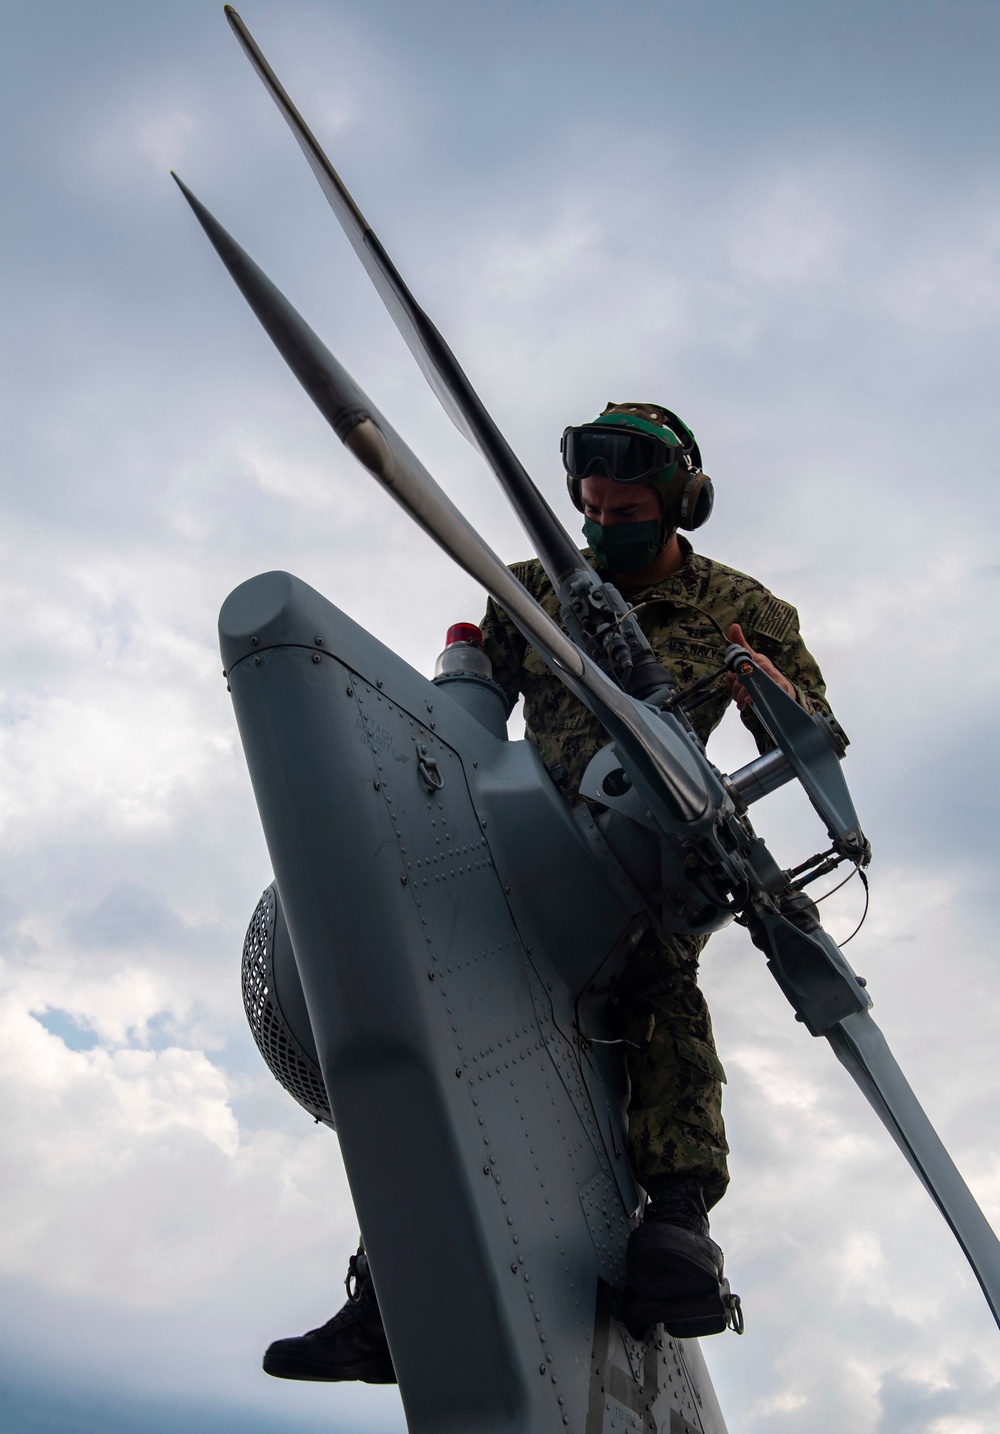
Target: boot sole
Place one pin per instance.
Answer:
(367, 1371)
(681, 1319)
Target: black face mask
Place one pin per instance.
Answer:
(625, 547)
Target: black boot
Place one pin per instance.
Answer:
(352, 1345)
(673, 1269)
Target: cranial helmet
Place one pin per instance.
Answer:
(642, 443)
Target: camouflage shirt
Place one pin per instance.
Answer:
(676, 619)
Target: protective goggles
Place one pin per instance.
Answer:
(626, 454)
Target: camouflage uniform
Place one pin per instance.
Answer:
(675, 1110)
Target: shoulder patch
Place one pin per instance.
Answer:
(774, 618)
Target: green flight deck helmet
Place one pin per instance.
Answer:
(642, 443)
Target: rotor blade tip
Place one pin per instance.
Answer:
(195, 204)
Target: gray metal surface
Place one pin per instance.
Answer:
(442, 938)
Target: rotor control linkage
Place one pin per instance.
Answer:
(701, 685)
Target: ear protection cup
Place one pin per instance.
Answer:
(697, 498)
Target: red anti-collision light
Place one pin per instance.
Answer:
(464, 632)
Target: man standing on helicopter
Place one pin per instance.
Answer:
(635, 473)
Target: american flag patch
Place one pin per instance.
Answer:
(774, 619)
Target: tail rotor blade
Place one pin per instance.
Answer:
(660, 759)
(556, 549)
(862, 1049)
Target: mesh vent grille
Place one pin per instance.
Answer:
(286, 1060)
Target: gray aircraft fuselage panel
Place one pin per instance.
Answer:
(452, 917)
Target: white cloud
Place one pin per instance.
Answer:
(791, 233)
(784, 1403)
(953, 284)
(166, 139)
(135, 1183)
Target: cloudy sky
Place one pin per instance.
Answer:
(782, 220)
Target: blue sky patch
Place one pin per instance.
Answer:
(72, 1034)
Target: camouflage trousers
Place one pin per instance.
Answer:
(675, 1108)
